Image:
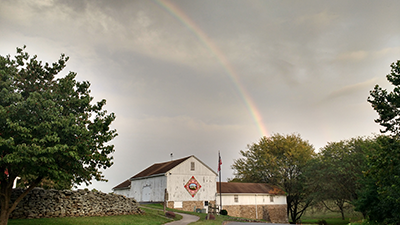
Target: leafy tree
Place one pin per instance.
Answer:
(387, 105)
(46, 184)
(49, 129)
(380, 200)
(279, 160)
(335, 172)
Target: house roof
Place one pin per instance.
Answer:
(159, 168)
(234, 187)
(123, 185)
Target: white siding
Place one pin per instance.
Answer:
(152, 187)
(124, 192)
(251, 199)
(181, 174)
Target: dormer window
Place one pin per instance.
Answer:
(192, 166)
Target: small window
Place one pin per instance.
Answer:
(271, 198)
(236, 198)
(192, 166)
(205, 203)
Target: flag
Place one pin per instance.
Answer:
(219, 162)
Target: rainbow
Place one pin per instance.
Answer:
(183, 18)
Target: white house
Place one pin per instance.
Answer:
(192, 185)
(253, 200)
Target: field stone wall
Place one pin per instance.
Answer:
(41, 203)
(277, 213)
(271, 213)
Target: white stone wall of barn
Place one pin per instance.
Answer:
(180, 175)
(251, 199)
(125, 192)
(149, 189)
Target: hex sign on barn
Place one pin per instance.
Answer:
(192, 186)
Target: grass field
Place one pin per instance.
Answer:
(151, 217)
(154, 216)
(332, 218)
(218, 218)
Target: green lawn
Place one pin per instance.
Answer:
(151, 217)
(218, 218)
(154, 216)
(331, 218)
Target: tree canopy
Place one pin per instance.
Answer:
(334, 174)
(49, 127)
(380, 195)
(387, 104)
(278, 160)
(380, 199)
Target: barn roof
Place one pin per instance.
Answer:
(159, 168)
(123, 185)
(241, 188)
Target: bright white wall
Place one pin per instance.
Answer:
(156, 186)
(180, 175)
(251, 199)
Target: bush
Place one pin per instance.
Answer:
(170, 214)
(223, 212)
(322, 222)
(210, 217)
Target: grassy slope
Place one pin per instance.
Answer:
(154, 216)
(151, 217)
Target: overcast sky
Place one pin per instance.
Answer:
(198, 77)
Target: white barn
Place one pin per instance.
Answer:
(189, 182)
(192, 185)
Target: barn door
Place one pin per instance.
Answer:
(146, 194)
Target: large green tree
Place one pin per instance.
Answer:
(380, 200)
(334, 174)
(49, 128)
(279, 160)
(387, 104)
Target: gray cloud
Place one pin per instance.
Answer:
(306, 65)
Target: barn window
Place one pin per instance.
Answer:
(236, 198)
(192, 166)
(271, 198)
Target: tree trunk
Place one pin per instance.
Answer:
(3, 216)
(5, 198)
(5, 195)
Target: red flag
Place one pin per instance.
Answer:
(219, 162)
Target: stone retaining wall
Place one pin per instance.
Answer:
(272, 213)
(66, 203)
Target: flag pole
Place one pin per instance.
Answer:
(220, 190)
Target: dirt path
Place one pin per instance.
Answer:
(186, 219)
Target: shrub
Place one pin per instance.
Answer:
(223, 212)
(210, 217)
(170, 214)
(322, 222)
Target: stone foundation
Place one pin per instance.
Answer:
(54, 203)
(272, 213)
(277, 213)
(190, 206)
